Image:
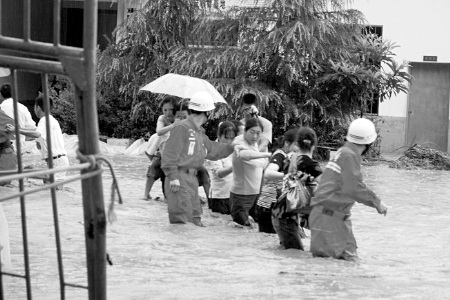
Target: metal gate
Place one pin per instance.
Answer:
(78, 64)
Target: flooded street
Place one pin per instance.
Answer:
(405, 255)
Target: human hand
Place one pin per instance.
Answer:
(174, 185)
(382, 208)
(9, 128)
(238, 148)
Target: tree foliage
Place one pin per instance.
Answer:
(306, 60)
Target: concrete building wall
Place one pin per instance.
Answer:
(419, 28)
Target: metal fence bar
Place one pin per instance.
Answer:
(48, 186)
(76, 285)
(21, 189)
(88, 133)
(1, 30)
(32, 65)
(2, 297)
(47, 107)
(14, 275)
(26, 20)
(56, 22)
(87, 128)
(31, 173)
(39, 47)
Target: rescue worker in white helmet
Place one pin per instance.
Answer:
(184, 153)
(340, 187)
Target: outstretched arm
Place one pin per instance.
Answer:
(248, 154)
(355, 188)
(26, 132)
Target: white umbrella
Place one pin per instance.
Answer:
(4, 72)
(182, 86)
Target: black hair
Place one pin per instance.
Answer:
(41, 103)
(252, 122)
(289, 136)
(171, 99)
(225, 127)
(306, 138)
(237, 123)
(5, 91)
(250, 99)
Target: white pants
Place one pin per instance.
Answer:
(63, 161)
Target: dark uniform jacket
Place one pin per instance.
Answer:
(188, 146)
(342, 184)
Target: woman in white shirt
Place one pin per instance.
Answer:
(248, 164)
(220, 172)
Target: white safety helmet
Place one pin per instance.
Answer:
(361, 131)
(201, 101)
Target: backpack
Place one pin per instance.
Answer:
(294, 194)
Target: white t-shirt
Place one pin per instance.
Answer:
(56, 137)
(25, 119)
(247, 173)
(220, 187)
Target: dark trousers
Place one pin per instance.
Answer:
(243, 206)
(219, 205)
(289, 233)
(184, 206)
(264, 217)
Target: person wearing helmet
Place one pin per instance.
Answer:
(182, 157)
(340, 187)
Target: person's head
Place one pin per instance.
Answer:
(5, 91)
(306, 139)
(201, 103)
(167, 106)
(362, 132)
(239, 126)
(249, 106)
(181, 111)
(252, 131)
(287, 140)
(226, 132)
(39, 106)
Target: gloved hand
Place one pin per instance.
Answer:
(382, 208)
(174, 185)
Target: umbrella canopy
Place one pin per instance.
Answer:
(4, 72)
(182, 86)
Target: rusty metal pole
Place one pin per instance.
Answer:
(88, 137)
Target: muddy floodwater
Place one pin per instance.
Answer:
(405, 255)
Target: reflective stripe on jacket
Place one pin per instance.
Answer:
(188, 146)
(342, 184)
